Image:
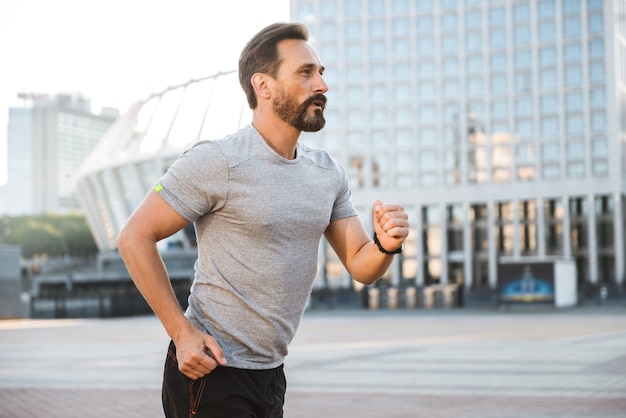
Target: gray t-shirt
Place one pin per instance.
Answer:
(259, 219)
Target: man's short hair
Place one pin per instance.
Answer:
(260, 55)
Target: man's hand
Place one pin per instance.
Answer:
(197, 353)
(391, 224)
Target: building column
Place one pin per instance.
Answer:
(516, 223)
(467, 248)
(567, 229)
(419, 246)
(540, 223)
(618, 233)
(592, 243)
(443, 222)
(493, 259)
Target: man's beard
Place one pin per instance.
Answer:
(298, 116)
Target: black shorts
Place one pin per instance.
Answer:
(225, 392)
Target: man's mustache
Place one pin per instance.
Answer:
(318, 99)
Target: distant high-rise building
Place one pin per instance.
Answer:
(46, 144)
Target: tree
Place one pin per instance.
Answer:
(53, 235)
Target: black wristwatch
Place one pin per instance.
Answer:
(382, 250)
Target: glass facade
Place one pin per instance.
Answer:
(493, 121)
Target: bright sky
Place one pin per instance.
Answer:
(116, 52)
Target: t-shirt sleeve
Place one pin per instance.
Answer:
(197, 182)
(343, 207)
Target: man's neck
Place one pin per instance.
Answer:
(280, 136)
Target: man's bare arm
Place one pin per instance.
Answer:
(154, 220)
(356, 250)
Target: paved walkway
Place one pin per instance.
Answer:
(365, 364)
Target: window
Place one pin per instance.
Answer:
(525, 130)
(497, 62)
(549, 104)
(425, 46)
(426, 70)
(353, 8)
(521, 35)
(547, 31)
(353, 31)
(450, 89)
(498, 85)
(449, 44)
(425, 25)
(550, 153)
(474, 64)
(523, 59)
(596, 72)
(545, 9)
(497, 38)
(402, 93)
(400, 6)
(426, 92)
(499, 109)
(450, 67)
(547, 57)
(596, 23)
(596, 48)
(575, 150)
(474, 41)
(473, 19)
(402, 49)
(377, 7)
(401, 28)
(571, 7)
(378, 50)
(597, 98)
(574, 101)
(574, 124)
(573, 75)
(377, 29)
(521, 13)
(329, 9)
(572, 53)
(598, 121)
(449, 22)
(549, 127)
(599, 148)
(524, 107)
(497, 16)
(402, 71)
(548, 79)
(354, 52)
(571, 27)
(427, 115)
(378, 73)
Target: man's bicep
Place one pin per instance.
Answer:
(347, 236)
(156, 218)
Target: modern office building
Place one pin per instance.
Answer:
(47, 142)
(499, 125)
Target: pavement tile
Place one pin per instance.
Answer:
(365, 364)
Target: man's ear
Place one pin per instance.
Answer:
(261, 86)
